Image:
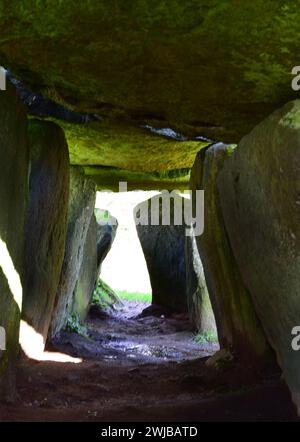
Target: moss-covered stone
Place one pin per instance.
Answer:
(260, 188)
(198, 300)
(99, 239)
(46, 222)
(125, 146)
(110, 177)
(238, 326)
(88, 273)
(219, 66)
(13, 200)
(81, 206)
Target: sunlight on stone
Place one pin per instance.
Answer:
(11, 274)
(32, 343)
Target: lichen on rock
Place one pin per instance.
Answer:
(259, 188)
(46, 222)
(13, 203)
(239, 328)
(81, 207)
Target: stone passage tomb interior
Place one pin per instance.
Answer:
(149, 211)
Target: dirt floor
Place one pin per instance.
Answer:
(143, 368)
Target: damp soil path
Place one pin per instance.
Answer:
(142, 368)
(136, 333)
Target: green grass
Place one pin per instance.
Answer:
(206, 336)
(105, 296)
(135, 296)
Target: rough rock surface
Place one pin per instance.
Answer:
(137, 85)
(106, 231)
(88, 273)
(46, 222)
(164, 250)
(260, 190)
(239, 328)
(123, 145)
(81, 206)
(110, 177)
(175, 61)
(198, 301)
(13, 198)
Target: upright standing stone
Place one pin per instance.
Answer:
(106, 231)
(88, 273)
(99, 239)
(164, 250)
(239, 328)
(13, 199)
(260, 190)
(198, 301)
(46, 223)
(81, 206)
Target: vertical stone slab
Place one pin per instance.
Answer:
(239, 328)
(13, 200)
(106, 231)
(81, 207)
(88, 273)
(198, 301)
(164, 250)
(46, 223)
(99, 239)
(260, 190)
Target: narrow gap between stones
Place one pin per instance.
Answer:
(124, 323)
(104, 320)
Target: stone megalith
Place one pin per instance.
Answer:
(239, 328)
(13, 200)
(88, 273)
(164, 251)
(100, 236)
(260, 190)
(106, 231)
(46, 222)
(198, 301)
(82, 197)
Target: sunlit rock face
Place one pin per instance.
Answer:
(46, 223)
(198, 300)
(81, 207)
(260, 188)
(13, 196)
(113, 149)
(87, 275)
(164, 251)
(212, 68)
(238, 326)
(131, 146)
